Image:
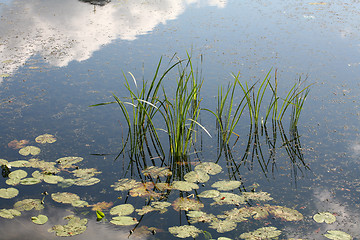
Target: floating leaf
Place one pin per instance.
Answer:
(222, 226)
(163, 186)
(324, 217)
(47, 167)
(144, 190)
(19, 174)
(155, 172)
(228, 198)
(209, 194)
(9, 213)
(337, 235)
(187, 204)
(52, 179)
(67, 162)
(28, 204)
(40, 219)
(184, 186)
(125, 184)
(196, 176)
(15, 144)
(8, 192)
(257, 196)
(79, 203)
(19, 163)
(237, 215)
(226, 185)
(45, 138)
(75, 226)
(199, 216)
(65, 197)
(185, 231)
(101, 206)
(29, 150)
(85, 173)
(12, 181)
(262, 233)
(160, 206)
(286, 214)
(122, 210)
(209, 167)
(30, 181)
(66, 183)
(145, 209)
(86, 182)
(124, 220)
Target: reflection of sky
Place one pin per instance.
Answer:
(68, 30)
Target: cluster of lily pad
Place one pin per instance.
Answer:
(329, 218)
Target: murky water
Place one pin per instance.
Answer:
(59, 57)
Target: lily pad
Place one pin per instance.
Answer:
(226, 185)
(9, 213)
(199, 216)
(185, 231)
(184, 186)
(125, 184)
(75, 226)
(28, 204)
(145, 190)
(286, 214)
(228, 198)
(46, 167)
(145, 209)
(209, 167)
(196, 176)
(122, 210)
(30, 181)
(222, 226)
(101, 206)
(52, 179)
(261, 233)
(257, 196)
(19, 163)
(163, 186)
(124, 221)
(85, 173)
(18, 174)
(209, 194)
(45, 138)
(156, 172)
(40, 219)
(29, 150)
(86, 182)
(187, 204)
(79, 203)
(65, 197)
(324, 217)
(337, 235)
(8, 192)
(67, 162)
(66, 183)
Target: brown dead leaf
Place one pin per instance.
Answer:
(15, 144)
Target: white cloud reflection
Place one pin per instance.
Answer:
(68, 30)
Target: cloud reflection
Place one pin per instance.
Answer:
(68, 30)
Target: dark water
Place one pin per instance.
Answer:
(59, 57)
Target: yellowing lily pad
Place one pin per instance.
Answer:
(75, 226)
(52, 179)
(184, 186)
(187, 204)
(145, 190)
(45, 138)
(28, 204)
(29, 150)
(15, 144)
(9, 213)
(226, 185)
(185, 231)
(337, 235)
(209, 167)
(228, 198)
(209, 194)
(66, 183)
(86, 182)
(262, 233)
(67, 162)
(124, 221)
(19, 163)
(286, 214)
(125, 184)
(65, 197)
(8, 192)
(122, 210)
(155, 172)
(85, 173)
(222, 226)
(40, 219)
(257, 196)
(324, 217)
(29, 181)
(18, 174)
(199, 216)
(196, 176)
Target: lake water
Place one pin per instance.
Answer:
(59, 57)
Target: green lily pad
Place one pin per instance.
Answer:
(199, 216)
(122, 210)
(19, 163)
(184, 186)
(75, 226)
(12, 181)
(65, 197)
(156, 172)
(337, 235)
(86, 182)
(52, 179)
(187, 204)
(9, 213)
(226, 185)
(67, 162)
(196, 176)
(324, 217)
(162, 207)
(286, 214)
(46, 167)
(19, 174)
(28, 204)
(66, 183)
(124, 221)
(125, 184)
(228, 198)
(40, 219)
(209, 194)
(261, 233)
(209, 167)
(29, 150)
(29, 181)
(45, 138)
(85, 173)
(185, 231)
(222, 226)
(8, 193)
(79, 203)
